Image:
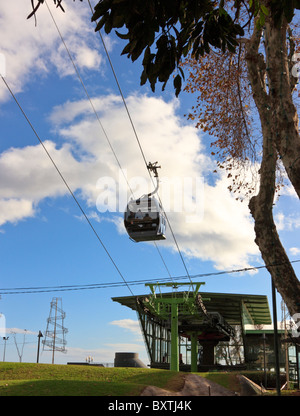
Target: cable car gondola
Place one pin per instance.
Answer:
(144, 218)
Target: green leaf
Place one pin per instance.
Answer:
(264, 10)
(181, 71)
(118, 21)
(172, 29)
(177, 84)
(137, 50)
(147, 56)
(144, 77)
(100, 9)
(128, 48)
(101, 22)
(108, 26)
(122, 36)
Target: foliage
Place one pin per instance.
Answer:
(176, 27)
(35, 8)
(167, 31)
(224, 109)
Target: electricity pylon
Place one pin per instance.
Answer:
(55, 332)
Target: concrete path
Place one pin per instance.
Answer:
(194, 386)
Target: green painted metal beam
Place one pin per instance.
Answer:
(164, 307)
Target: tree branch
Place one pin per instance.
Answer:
(257, 70)
(284, 112)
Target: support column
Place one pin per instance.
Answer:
(194, 352)
(174, 365)
(209, 352)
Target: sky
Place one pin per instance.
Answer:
(62, 225)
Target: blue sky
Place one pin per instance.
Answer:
(44, 238)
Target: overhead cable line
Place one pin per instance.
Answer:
(138, 140)
(96, 113)
(41, 289)
(65, 182)
(87, 94)
(120, 90)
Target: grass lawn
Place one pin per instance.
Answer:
(229, 380)
(25, 379)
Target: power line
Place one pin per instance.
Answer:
(95, 112)
(138, 140)
(110, 285)
(120, 90)
(86, 92)
(47, 289)
(65, 182)
(131, 122)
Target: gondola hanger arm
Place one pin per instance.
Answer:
(153, 168)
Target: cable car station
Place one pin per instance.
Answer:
(201, 319)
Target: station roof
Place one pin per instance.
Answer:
(236, 309)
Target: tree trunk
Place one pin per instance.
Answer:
(281, 86)
(278, 120)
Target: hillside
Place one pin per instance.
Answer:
(25, 379)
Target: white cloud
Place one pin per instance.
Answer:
(289, 190)
(31, 50)
(160, 133)
(129, 324)
(126, 347)
(103, 355)
(13, 210)
(295, 251)
(224, 233)
(286, 222)
(20, 331)
(28, 176)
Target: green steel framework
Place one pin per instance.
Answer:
(169, 308)
(166, 316)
